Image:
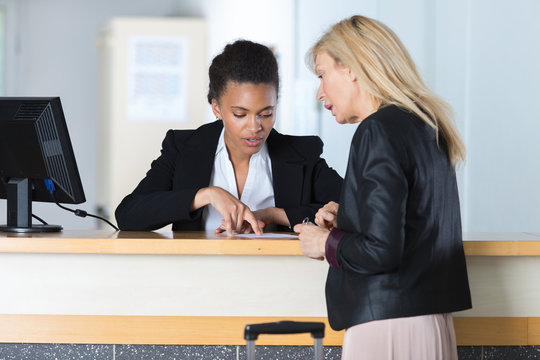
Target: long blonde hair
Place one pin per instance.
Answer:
(385, 69)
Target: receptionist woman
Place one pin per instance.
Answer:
(236, 174)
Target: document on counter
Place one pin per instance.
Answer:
(268, 236)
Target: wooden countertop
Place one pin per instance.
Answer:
(501, 244)
(144, 242)
(203, 243)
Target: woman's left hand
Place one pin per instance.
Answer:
(312, 240)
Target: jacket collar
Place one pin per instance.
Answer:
(280, 148)
(206, 137)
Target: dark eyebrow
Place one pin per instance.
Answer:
(239, 108)
(269, 107)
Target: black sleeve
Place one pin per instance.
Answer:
(322, 185)
(154, 204)
(373, 208)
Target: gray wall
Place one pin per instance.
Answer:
(479, 55)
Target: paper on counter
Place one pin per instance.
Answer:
(268, 236)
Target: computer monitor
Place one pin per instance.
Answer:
(36, 160)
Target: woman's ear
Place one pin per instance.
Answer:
(216, 109)
(347, 72)
(351, 75)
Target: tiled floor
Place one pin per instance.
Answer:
(174, 352)
(55, 352)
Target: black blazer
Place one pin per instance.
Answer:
(303, 182)
(401, 254)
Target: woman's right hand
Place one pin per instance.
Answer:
(234, 212)
(326, 217)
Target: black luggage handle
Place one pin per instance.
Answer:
(252, 331)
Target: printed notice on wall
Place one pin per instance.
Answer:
(157, 79)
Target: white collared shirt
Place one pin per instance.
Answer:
(258, 190)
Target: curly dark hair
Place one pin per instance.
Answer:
(242, 61)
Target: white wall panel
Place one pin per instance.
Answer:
(503, 126)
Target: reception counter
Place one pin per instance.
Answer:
(99, 287)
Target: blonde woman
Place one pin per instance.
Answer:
(394, 241)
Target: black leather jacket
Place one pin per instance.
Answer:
(399, 248)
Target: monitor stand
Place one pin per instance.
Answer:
(19, 209)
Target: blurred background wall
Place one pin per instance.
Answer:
(481, 56)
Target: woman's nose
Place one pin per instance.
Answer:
(254, 123)
(320, 93)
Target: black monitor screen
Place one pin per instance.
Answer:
(36, 159)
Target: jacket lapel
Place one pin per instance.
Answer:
(287, 170)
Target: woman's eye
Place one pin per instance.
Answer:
(266, 116)
(239, 115)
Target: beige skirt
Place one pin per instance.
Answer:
(426, 337)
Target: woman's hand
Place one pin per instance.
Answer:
(312, 240)
(267, 216)
(272, 215)
(326, 217)
(234, 212)
(245, 229)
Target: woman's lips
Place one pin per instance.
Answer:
(255, 141)
(331, 108)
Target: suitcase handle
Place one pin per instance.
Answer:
(252, 331)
